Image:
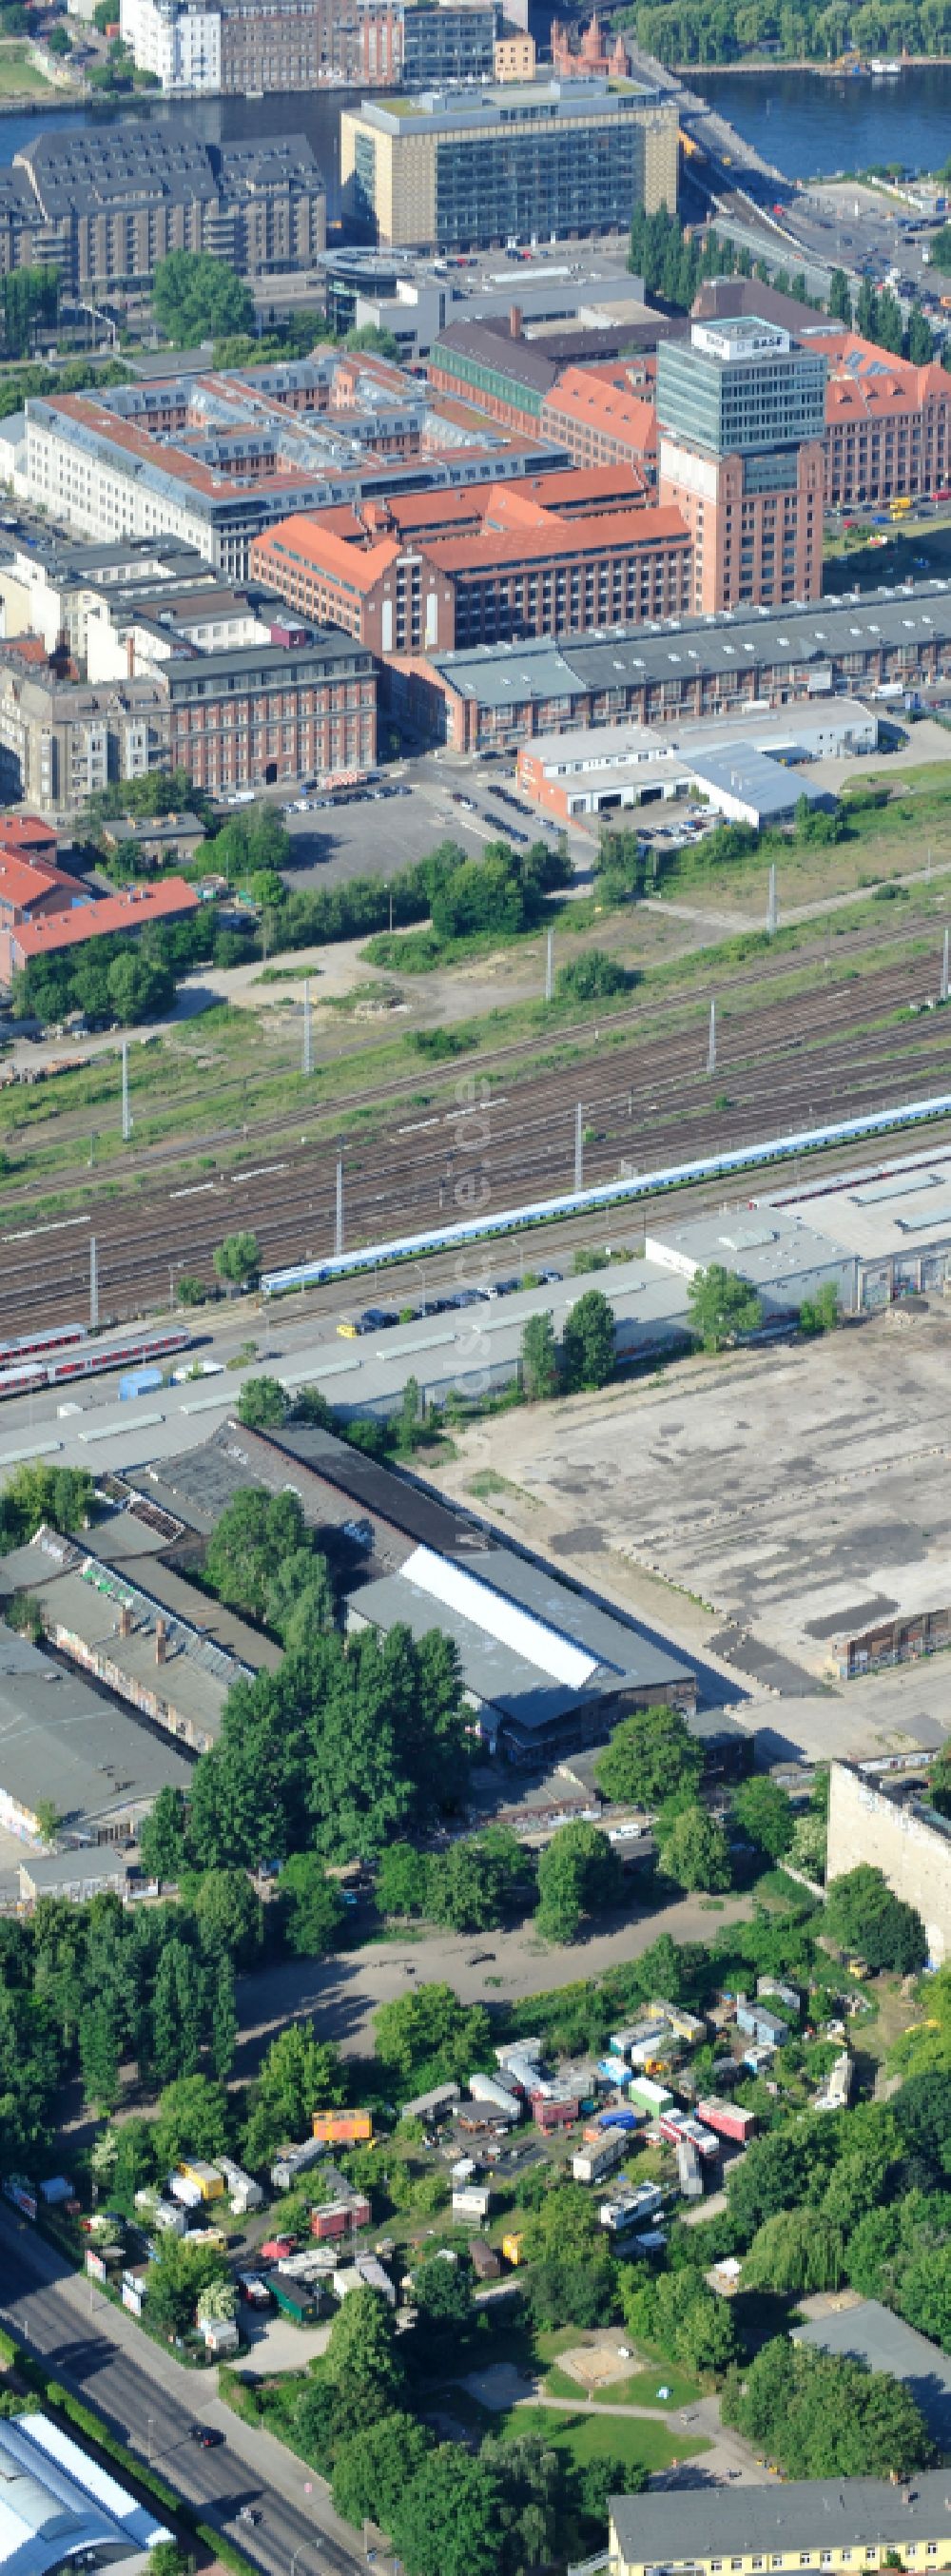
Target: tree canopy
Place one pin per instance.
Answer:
(196, 297)
(721, 1306)
(651, 1754)
(863, 1915)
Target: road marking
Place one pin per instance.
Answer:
(57, 1225)
(259, 1171)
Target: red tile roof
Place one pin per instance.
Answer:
(634, 529)
(23, 882)
(129, 910)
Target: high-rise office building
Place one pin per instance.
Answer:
(741, 420)
(454, 170)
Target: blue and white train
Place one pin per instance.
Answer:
(642, 1185)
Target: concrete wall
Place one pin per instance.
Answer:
(866, 1826)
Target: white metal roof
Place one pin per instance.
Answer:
(540, 1644)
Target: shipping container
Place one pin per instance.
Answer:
(512, 2248)
(591, 2163)
(727, 2119)
(343, 2128)
(484, 2260)
(138, 1382)
(502, 2101)
(624, 2117)
(555, 2115)
(631, 2208)
(298, 2300)
(291, 2161)
(651, 2097)
(675, 2125)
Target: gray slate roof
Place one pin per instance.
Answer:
(684, 2523)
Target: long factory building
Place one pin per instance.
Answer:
(495, 697)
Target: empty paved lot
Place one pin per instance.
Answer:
(785, 1493)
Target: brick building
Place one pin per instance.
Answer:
(293, 702)
(559, 554)
(37, 932)
(741, 415)
(489, 701)
(603, 420)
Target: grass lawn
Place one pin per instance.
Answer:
(597, 2437)
(640, 2388)
(19, 78)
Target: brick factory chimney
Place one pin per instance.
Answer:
(515, 321)
(161, 1635)
(130, 655)
(125, 1620)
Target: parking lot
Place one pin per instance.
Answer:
(413, 807)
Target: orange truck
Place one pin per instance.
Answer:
(343, 2128)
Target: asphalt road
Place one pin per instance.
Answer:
(150, 2400)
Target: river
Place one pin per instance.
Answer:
(804, 122)
(810, 122)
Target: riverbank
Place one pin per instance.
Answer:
(824, 71)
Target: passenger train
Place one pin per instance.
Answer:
(642, 1185)
(57, 1359)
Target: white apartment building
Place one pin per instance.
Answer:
(178, 42)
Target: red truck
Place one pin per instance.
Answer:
(728, 2120)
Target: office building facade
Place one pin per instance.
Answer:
(451, 172)
(741, 424)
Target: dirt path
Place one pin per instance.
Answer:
(343, 1992)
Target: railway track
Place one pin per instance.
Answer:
(785, 1066)
(83, 1124)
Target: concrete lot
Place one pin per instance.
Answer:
(752, 1505)
(382, 834)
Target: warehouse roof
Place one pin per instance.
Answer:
(683, 2523)
(85, 1598)
(61, 1739)
(529, 1645)
(537, 668)
(58, 2505)
(868, 2332)
(893, 1206)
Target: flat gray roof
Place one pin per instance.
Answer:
(84, 1597)
(772, 1247)
(684, 2523)
(742, 769)
(61, 1739)
(869, 2332)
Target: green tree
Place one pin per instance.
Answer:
(794, 2252)
(539, 1358)
(840, 300)
(257, 1536)
(139, 988)
(442, 2297)
(446, 2519)
(478, 1880)
(229, 1915)
(587, 1342)
(99, 2054)
(191, 2120)
(373, 2468)
(766, 1815)
(429, 2037)
(238, 1258)
(862, 1914)
(181, 2270)
(363, 2361)
(592, 978)
(168, 2558)
(651, 1755)
(579, 1875)
(300, 2074)
(821, 1313)
(721, 1306)
(312, 1908)
(178, 2013)
(262, 1403)
(820, 2415)
(196, 297)
(402, 1881)
(694, 1850)
(920, 338)
(162, 1837)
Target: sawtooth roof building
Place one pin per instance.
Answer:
(493, 697)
